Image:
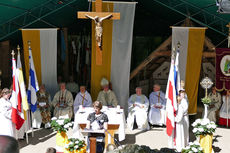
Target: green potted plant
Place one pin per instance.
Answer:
(75, 145)
(206, 100)
(194, 147)
(61, 125)
(204, 128)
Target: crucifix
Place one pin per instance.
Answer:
(98, 18)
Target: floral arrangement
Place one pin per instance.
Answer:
(194, 147)
(75, 144)
(61, 124)
(203, 127)
(206, 100)
(134, 148)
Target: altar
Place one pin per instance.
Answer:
(116, 123)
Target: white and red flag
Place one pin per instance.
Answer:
(16, 100)
(171, 96)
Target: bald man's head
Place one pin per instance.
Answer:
(8, 144)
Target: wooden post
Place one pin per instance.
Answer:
(98, 5)
(93, 144)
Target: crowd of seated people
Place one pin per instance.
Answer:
(143, 111)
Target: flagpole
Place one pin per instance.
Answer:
(30, 113)
(27, 122)
(227, 106)
(27, 139)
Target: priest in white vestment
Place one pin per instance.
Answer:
(63, 102)
(225, 109)
(107, 97)
(5, 113)
(215, 104)
(182, 122)
(83, 98)
(42, 113)
(157, 102)
(138, 108)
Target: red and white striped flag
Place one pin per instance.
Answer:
(17, 110)
(171, 104)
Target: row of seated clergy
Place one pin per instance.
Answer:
(106, 97)
(139, 106)
(63, 102)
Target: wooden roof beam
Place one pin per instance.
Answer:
(152, 56)
(160, 52)
(209, 44)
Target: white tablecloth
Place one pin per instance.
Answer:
(115, 117)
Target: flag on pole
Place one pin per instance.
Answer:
(171, 104)
(33, 84)
(22, 84)
(17, 110)
(177, 73)
(172, 92)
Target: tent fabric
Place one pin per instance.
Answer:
(28, 14)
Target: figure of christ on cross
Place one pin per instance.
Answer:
(98, 16)
(98, 27)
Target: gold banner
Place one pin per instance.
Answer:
(34, 37)
(193, 66)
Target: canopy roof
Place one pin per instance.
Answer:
(153, 14)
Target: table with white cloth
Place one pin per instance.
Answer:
(116, 119)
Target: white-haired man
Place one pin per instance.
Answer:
(83, 98)
(107, 97)
(157, 106)
(63, 102)
(138, 108)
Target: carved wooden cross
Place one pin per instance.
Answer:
(101, 15)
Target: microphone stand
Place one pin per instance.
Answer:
(117, 143)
